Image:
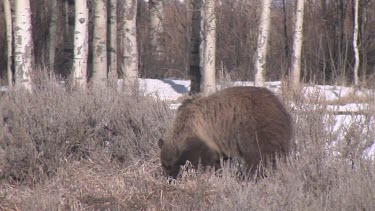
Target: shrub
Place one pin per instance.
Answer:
(96, 150)
(52, 125)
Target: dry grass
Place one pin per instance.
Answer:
(62, 149)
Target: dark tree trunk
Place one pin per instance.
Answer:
(286, 46)
(195, 70)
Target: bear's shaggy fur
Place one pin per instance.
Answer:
(245, 122)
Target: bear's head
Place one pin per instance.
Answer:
(192, 149)
(170, 158)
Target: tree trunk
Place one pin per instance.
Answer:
(67, 49)
(195, 69)
(187, 37)
(157, 28)
(323, 4)
(100, 69)
(24, 47)
(9, 32)
(52, 34)
(355, 43)
(362, 24)
(130, 52)
(286, 45)
(340, 57)
(66, 21)
(209, 73)
(261, 55)
(80, 44)
(112, 74)
(297, 45)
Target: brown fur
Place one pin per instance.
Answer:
(246, 122)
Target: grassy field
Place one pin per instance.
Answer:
(63, 149)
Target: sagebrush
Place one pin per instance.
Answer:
(65, 149)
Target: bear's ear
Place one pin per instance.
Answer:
(160, 143)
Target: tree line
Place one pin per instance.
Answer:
(101, 40)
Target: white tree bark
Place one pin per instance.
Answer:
(209, 55)
(297, 45)
(157, 27)
(130, 52)
(355, 43)
(24, 47)
(112, 74)
(100, 70)
(80, 44)
(9, 31)
(52, 34)
(262, 45)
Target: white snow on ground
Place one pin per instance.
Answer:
(332, 93)
(3, 89)
(351, 107)
(168, 89)
(164, 89)
(342, 124)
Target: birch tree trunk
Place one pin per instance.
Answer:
(52, 34)
(112, 74)
(262, 45)
(9, 32)
(297, 45)
(100, 69)
(24, 47)
(195, 69)
(130, 52)
(355, 43)
(209, 56)
(157, 27)
(80, 44)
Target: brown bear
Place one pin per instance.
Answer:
(244, 122)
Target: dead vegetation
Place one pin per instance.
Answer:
(62, 149)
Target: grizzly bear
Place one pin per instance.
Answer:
(249, 123)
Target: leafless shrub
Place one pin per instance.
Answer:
(100, 149)
(39, 131)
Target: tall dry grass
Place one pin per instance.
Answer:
(63, 149)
